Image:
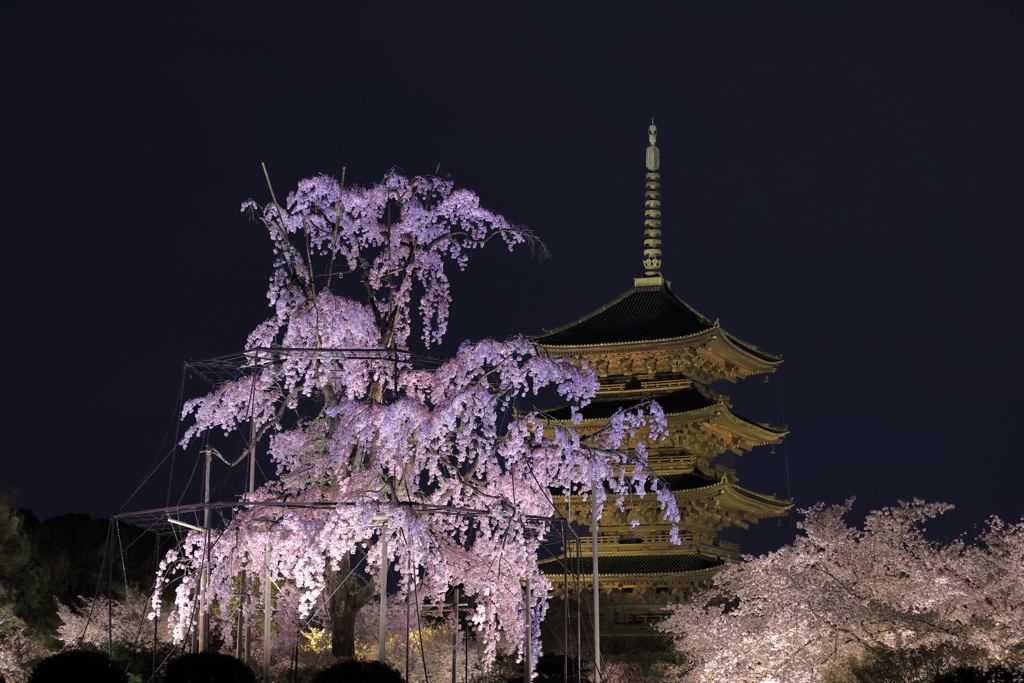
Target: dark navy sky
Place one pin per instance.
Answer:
(841, 182)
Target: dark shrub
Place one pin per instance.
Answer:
(359, 672)
(77, 665)
(208, 667)
(924, 663)
(973, 674)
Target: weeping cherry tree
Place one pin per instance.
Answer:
(369, 445)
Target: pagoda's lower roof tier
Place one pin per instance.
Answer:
(624, 565)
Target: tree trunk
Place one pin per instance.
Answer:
(347, 597)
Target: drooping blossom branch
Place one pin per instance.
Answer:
(398, 449)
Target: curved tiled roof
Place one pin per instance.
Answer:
(763, 498)
(641, 314)
(753, 350)
(687, 482)
(634, 564)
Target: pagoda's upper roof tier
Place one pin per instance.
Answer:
(641, 314)
(645, 313)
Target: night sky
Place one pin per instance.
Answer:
(842, 184)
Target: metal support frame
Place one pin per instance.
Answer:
(162, 520)
(217, 371)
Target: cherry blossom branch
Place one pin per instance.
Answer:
(337, 226)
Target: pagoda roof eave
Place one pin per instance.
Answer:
(751, 350)
(758, 505)
(640, 565)
(765, 432)
(697, 322)
(784, 504)
(720, 410)
(719, 342)
(680, 402)
(741, 498)
(606, 328)
(754, 504)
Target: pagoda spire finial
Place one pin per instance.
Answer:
(652, 207)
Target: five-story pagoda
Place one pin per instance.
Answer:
(649, 344)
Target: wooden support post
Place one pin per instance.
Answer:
(110, 589)
(240, 625)
(528, 633)
(382, 632)
(204, 578)
(408, 621)
(594, 513)
(579, 614)
(455, 636)
(243, 622)
(565, 603)
(248, 643)
(156, 618)
(267, 613)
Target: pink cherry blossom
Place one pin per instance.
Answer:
(394, 447)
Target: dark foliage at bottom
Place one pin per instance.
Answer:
(208, 667)
(973, 674)
(551, 669)
(358, 672)
(77, 665)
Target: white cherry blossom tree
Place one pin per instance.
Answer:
(794, 614)
(18, 651)
(99, 619)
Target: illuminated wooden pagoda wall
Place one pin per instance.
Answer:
(648, 343)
